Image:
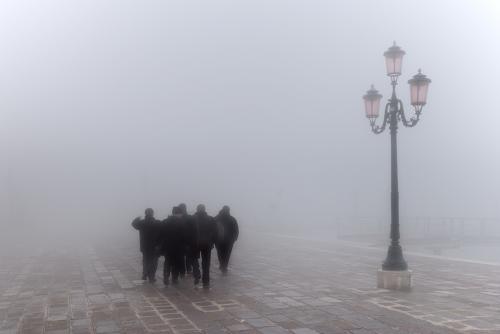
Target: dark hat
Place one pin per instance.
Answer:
(176, 210)
(183, 207)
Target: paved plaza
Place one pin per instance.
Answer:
(276, 284)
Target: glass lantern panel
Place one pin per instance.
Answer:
(418, 93)
(422, 94)
(372, 107)
(393, 65)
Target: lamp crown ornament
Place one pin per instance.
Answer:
(419, 78)
(394, 51)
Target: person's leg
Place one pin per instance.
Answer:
(196, 267)
(223, 256)
(144, 267)
(153, 267)
(205, 264)
(149, 262)
(166, 270)
(171, 264)
(189, 266)
(229, 250)
(177, 266)
(219, 249)
(172, 267)
(182, 262)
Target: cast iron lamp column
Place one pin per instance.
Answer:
(394, 113)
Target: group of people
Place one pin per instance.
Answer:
(183, 239)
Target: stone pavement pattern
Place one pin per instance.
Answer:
(275, 285)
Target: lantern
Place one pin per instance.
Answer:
(394, 60)
(372, 103)
(419, 85)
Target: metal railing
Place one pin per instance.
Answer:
(422, 227)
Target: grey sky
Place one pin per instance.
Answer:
(107, 107)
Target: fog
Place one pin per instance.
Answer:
(109, 107)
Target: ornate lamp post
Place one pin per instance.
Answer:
(393, 114)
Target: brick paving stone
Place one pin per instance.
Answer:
(304, 331)
(238, 328)
(260, 322)
(273, 330)
(275, 285)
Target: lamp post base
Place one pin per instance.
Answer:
(395, 259)
(394, 279)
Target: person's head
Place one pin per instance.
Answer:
(183, 208)
(201, 208)
(225, 210)
(149, 213)
(176, 211)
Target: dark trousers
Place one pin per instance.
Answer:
(182, 269)
(189, 262)
(149, 265)
(224, 250)
(167, 269)
(185, 261)
(173, 265)
(206, 254)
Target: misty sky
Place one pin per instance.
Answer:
(110, 106)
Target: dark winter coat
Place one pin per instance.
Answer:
(230, 230)
(173, 234)
(205, 230)
(190, 231)
(148, 233)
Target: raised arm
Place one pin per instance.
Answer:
(137, 224)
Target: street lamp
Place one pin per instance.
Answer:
(395, 268)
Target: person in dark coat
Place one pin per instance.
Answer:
(148, 235)
(187, 267)
(204, 233)
(228, 231)
(173, 243)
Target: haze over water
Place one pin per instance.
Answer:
(109, 107)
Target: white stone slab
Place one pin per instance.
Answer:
(394, 279)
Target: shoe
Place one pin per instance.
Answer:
(196, 281)
(152, 280)
(206, 286)
(166, 282)
(144, 277)
(175, 281)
